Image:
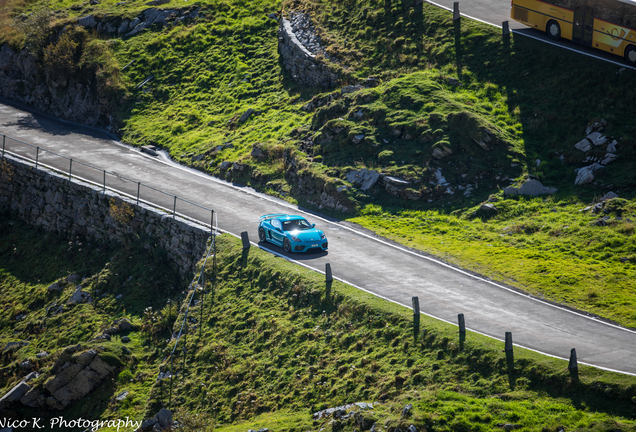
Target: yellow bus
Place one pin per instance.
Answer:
(609, 25)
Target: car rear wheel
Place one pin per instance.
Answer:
(286, 245)
(261, 234)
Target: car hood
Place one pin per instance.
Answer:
(307, 235)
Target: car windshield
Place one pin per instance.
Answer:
(296, 225)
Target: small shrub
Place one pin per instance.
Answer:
(385, 156)
(59, 58)
(122, 213)
(35, 28)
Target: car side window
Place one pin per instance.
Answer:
(276, 224)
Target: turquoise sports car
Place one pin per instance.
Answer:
(292, 233)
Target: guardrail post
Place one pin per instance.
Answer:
(37, 155)
(104, 181)
(416, 316)
(462, 330)
(508, 350)
(246, 240)
(328, 282)
(505, 29)
(573, 366)
(4, 138)
(456, 15)
(70, 168)
(138, 187)
(211, 220)
(174, 209)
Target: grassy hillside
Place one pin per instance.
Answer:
(273, 349)
(442, 87)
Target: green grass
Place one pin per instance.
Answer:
(274, 349)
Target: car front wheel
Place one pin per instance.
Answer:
(261, 234)
(286, 245)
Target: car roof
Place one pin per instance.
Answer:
(281, 216)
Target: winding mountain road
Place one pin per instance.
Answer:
(357, 256)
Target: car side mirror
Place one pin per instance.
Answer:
(313, 225)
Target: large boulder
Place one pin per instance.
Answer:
(366, 179)
(14, 394)
(76, 379)
(586, 174)
(531, 187)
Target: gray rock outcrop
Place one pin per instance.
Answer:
(365, 179)
(14, 394)
(76, 379)
(68, 97)
(161, 421)
(586, 174)
(531, 187)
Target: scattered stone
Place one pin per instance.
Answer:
(611, 147)
(509, 427)
(73, 278)
(225, 165)
(584, 145)
(125, 325)
(598, 126)
(87, 21)
(80, 296)
(119, 296)
(609, 196)
(121, 396)
(357, 139)
(164, 418)
(340, 409)
(125, 339)
(488, 208)
(406, 411)
(125, 350)
(246, 115)
(586, 174)
(609, 158)
(54, 287)
(76, 380)
(366, 179)
(350, 89)
(26, 365)
(454, 82)
(598, 208)
(150, 149)
(441, 152)
(597, 139)
(257, 152)
(14, 345)
(531, 187)
(14, 394)
(42, 354)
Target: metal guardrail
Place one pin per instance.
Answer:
(133, 189)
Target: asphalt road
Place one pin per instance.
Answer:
(495, 12)
(356, 256)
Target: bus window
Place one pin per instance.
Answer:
(563, 3)
(629, 17)
(609, 10)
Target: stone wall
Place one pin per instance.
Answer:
(304, 67)
(48, 200)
